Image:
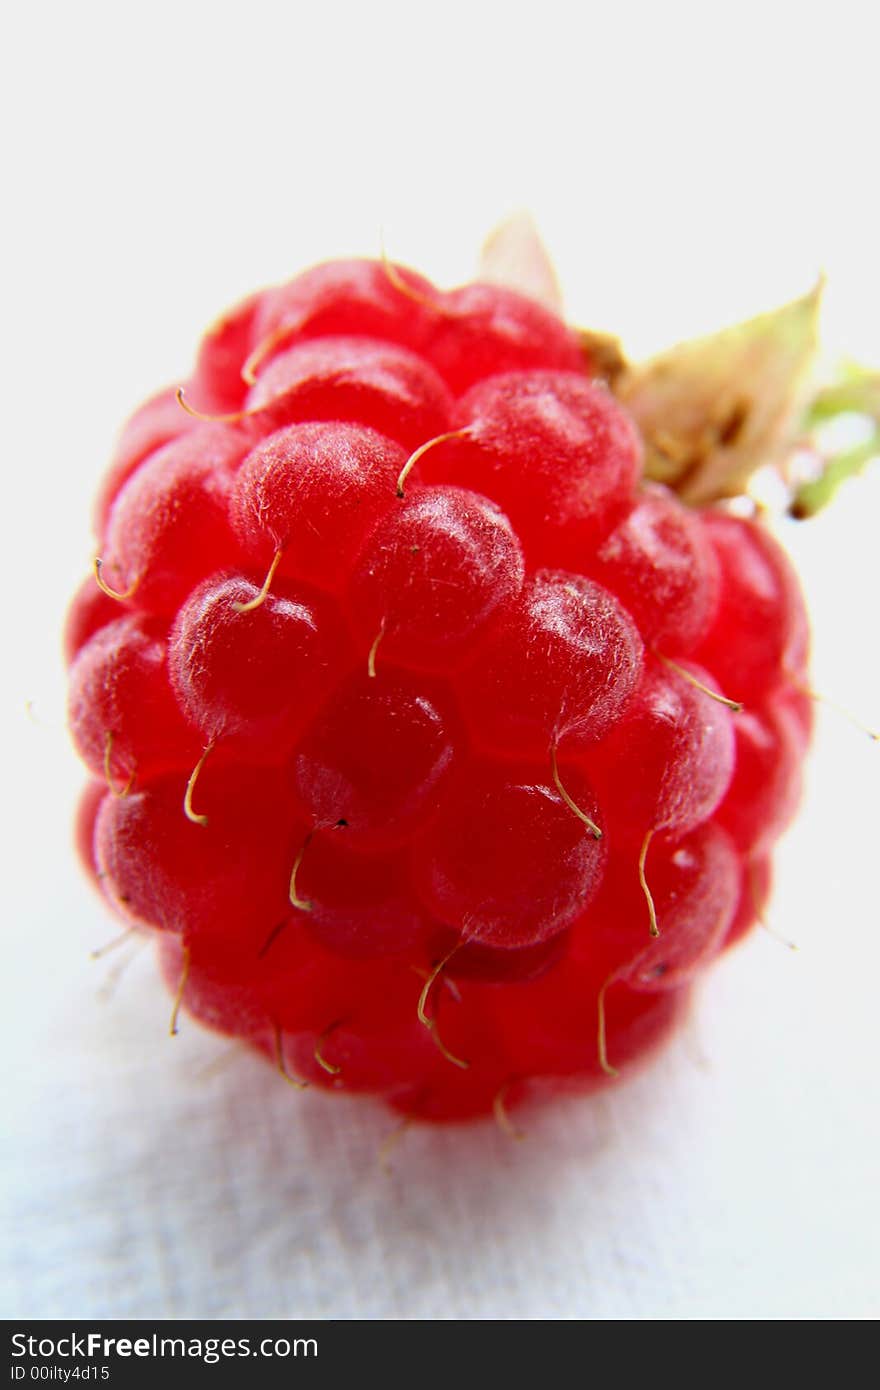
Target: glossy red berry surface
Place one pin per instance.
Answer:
(412, 711)
(438, 573)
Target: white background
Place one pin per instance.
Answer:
(687, 165)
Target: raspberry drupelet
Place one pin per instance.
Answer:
(438, 748)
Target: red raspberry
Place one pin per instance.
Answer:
(411, 707)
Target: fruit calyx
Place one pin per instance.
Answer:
(714, 410)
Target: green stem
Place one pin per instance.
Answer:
(856, 392)
(811, 497)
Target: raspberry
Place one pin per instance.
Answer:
(157, 422)
(169, 521)
(562, 666)
(312, 494)
(124, 719)
(355, 379)
(583, 455)
(396, 591)
(660, 562)
(377, 757)
(505, 861)
(758, 638)
(200, 881)
(682, 746)
(411, 703)
(252, 676)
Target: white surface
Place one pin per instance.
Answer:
(682, 175)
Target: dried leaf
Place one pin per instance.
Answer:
(714, 410)
(514, 255)
(603, 354)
